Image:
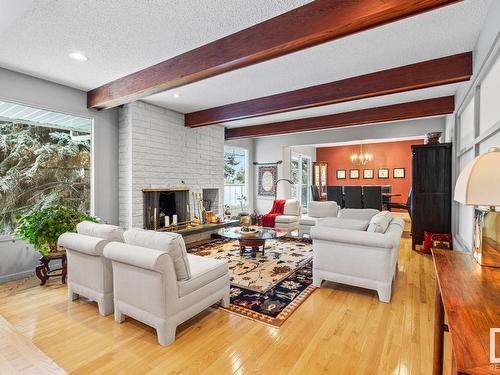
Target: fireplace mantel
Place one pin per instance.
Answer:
(159, 190)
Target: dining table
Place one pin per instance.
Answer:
(390, 195)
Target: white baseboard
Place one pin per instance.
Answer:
(16, 276)
(457, 240)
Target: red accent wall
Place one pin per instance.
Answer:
(385, 155)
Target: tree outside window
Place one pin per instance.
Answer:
(42, 164)
(234, 176)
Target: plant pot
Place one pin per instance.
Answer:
(53, 247)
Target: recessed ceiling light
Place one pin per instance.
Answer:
(177, 95)
(78, 56)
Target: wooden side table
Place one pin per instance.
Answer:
(254, 243)
(44, 272)
(468, 295)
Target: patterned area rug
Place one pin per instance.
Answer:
(280, 259)
(271, 286)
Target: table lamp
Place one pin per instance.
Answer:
(479, 185)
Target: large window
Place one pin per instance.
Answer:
(44, 160)
(300, 173)
(235, 177)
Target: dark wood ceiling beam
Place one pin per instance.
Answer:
(422, 108)
(309, 25)
(441, 71)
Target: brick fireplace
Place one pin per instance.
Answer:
(158, 152)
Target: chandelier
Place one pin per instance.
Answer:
(361, 158)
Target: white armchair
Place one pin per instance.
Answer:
(89, 273)
(289, 221)
(363, 258)
(161, 285)
(316, 210)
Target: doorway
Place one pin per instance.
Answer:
(300, 173)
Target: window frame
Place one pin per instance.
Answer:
(309, 178)
(247, 177)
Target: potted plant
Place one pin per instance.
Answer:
(43, 227)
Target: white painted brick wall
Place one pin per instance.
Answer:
(158, 151)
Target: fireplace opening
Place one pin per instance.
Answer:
(160, 206)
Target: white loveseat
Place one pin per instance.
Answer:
(89, 272)
(159, 284)
(289, 221)
(356, 252)
(316, 210)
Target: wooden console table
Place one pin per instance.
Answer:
(469, 295)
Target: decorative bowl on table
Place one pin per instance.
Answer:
(247, 231)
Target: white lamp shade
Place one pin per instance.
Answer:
(479, 182)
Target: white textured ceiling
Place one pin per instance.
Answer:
(445, 31)
(378, 101)
(119, 37)
(123, 36)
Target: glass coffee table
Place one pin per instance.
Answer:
(254, 241)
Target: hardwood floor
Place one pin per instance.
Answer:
(19, 356)
(337, 330)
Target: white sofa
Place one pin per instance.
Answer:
(346, 253)
(316, 210)
(159, 284)
(89, 272)
(289, 221)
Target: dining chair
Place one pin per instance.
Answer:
(315, 193)
(353, 197)
(401, 206)
(386, 189)
(372, 197)
(334, 193)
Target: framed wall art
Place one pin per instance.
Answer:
(341, 174)
(354, 174)
(368, 173)
(267, 176)
(383, 173)
(398, 173)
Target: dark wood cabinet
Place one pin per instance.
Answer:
(431, 190)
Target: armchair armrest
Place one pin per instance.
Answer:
(352, 237)
(82, 243)
(142, 257)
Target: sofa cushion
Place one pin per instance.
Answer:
(380, 222)
(287, 219)
(307, 220)
(204, 270)
(172, 243)
(292, 207)
(358, 213)
(104, 231)
(322, 209)
(335, 222)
